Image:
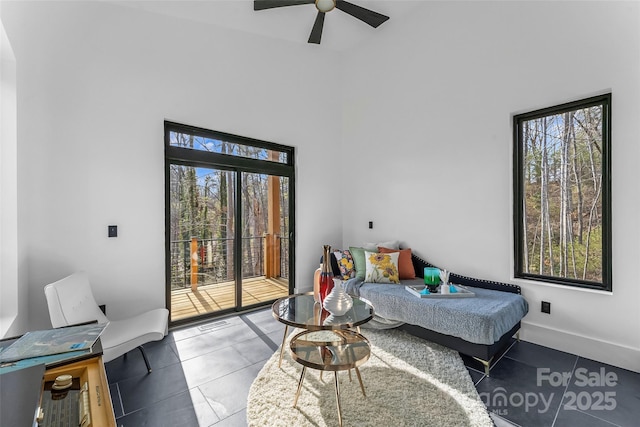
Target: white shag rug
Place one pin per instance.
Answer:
(408, 381)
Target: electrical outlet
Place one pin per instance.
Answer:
(370, 224)
(545, 307)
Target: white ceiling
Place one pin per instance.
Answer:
(292, 23)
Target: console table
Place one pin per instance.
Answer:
(26, 390)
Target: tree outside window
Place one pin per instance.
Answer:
(562, 194)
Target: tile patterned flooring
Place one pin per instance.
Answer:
(202, 374)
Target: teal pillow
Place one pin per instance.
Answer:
(360, 262)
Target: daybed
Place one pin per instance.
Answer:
(479, 327)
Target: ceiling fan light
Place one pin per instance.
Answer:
(325, 5)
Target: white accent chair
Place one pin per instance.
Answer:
(71, 301)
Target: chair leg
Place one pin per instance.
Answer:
(144, 356)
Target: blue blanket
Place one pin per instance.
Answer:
(482, 319)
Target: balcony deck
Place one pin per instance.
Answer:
(219, 296)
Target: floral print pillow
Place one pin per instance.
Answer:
(381, 268)
(345, 264)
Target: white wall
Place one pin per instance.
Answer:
(9, 252)
(95, 83)
(428, 138)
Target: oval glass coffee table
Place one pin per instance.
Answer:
(336, 350)
(301, 311)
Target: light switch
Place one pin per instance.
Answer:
(113, 231)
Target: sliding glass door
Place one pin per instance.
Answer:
(265, 238)
(229, 223)
(202, 224)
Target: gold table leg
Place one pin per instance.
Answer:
(284, 338)
(360, 379)
(338, 398)
(295, 401)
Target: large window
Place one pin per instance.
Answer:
(562, 194)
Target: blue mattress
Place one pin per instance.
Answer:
(482, 319)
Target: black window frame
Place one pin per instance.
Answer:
(199, 158)
(518, 193)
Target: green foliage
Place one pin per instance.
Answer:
(594, 263)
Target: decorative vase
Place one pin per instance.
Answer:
(432, 278)
(444, 282)
(316, 285)
(326, 275)
(337, 302)
(320, 315)
(332, 319)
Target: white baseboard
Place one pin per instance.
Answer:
(587, 347)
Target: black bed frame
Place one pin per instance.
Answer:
(484, 353)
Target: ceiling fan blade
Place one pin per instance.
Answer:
(270, 4)
(316, 31)
(365, 15)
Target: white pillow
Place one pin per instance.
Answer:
(381, 268)
(373, 247)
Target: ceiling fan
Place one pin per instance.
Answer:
(365, 15)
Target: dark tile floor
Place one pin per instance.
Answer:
(202, 374)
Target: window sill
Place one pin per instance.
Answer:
(525, 283)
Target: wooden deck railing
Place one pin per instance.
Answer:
(198, 262)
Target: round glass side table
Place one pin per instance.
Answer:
(301, 311)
